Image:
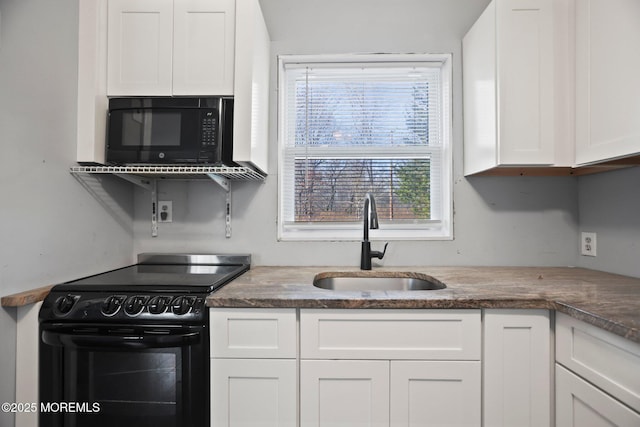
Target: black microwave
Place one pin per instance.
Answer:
(170, 131)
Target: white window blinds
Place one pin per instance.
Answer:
(348, 128)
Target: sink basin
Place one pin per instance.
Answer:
(383, 281)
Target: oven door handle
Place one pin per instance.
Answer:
(133, 341)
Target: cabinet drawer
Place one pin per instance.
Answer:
(253, 333)
(606, 360)
(579, 404)
(390, 334)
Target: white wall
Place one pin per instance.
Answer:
(498, 221)
(51, 228)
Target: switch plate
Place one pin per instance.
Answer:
(165, 211)
(588, 244)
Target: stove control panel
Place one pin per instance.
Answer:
(123, 307)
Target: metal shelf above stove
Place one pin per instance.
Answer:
(147, 176)
(189, 172)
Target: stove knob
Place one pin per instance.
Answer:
(111, 305)
(181, 305)
(158, 304)
(64, 304)
(134, 305)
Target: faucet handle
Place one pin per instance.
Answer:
(378, 254)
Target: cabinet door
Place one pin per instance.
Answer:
(607, 84)
(525, 64)
(139, 47)
(579, 404)
(517, 368)
(203, 47)
(435, 393)
(344, 393)
(253, 392)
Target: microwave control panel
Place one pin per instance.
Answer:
(209, 129)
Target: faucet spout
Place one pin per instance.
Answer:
(370, 221)
(369, 215)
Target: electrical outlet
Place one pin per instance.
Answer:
(165, 211)
(588, 244)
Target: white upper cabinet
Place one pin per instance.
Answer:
(515, 74)
(607, 84)
(174, 48)
(170, 47)
(251, 86)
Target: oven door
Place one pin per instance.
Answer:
(122, 375)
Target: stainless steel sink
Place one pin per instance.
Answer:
(383, 281)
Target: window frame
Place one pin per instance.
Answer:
(441, 229)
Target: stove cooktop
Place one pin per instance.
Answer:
(166, 273)
(158, 278)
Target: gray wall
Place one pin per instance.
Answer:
(51, 228)
(609, 205)
(509, 221)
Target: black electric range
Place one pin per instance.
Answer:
(131, 346)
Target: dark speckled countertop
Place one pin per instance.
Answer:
(609, 301)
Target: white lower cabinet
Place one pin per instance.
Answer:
(411, 367)
(254, 372)
(518, 367)
(597, 376)
(386, 368)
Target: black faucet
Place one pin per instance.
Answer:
(370, 221)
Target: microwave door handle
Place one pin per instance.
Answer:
(134, 341)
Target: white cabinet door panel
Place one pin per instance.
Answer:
(253, 393)
(517, 368)
(203, 46)
(344, 393)
(139, 47)
(525, 81)
(607, 84)
(435, 393)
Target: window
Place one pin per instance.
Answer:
(354, 124)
